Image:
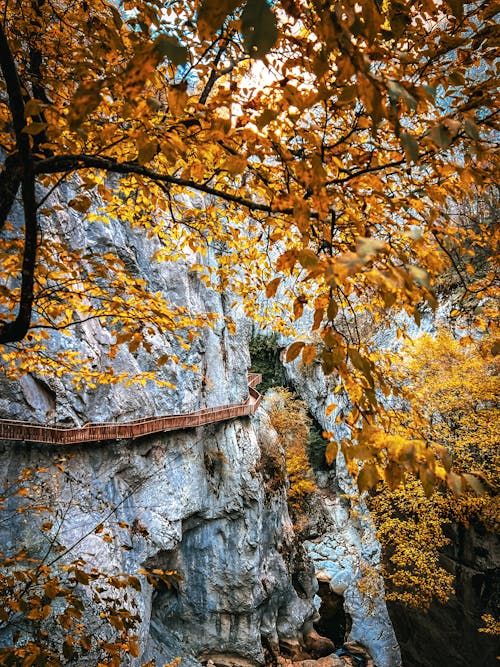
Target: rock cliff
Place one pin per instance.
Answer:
(195, 502)
(192, 501)
(347, 554)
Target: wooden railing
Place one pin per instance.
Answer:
(11, 429)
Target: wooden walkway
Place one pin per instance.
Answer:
(11, 429)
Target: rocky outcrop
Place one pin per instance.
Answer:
(351, 655)
(343, 544)
(221, 358)
(199, 503)
(193, 502)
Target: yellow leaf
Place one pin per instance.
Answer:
(428, 479)
(212, 15)
(177, 98)
(259, 28)
(331, 452)
(294, 351)
(31, 657)
(332, 310)
(301, 214)
(367, 247)
(81, 203)
(86, 99)
(161, 361)
(298, 307)
(82, 577)
(308, 258)
(475, 483)
(133, 648)
(368, 477)
(327, 362)
(51, 589)
(272, 287)
(393, 475)
(33, 107)
(454, 482)
(34, 128)
(287, 259)
(235, 164)
(308, 354)
(147, 152)
(167, 46)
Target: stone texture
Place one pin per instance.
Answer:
(342, 541)
(318, 646)
(222, 359)
(212, 524)
(193, 501)
(330, 661)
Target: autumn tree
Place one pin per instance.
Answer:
(288, 416)
(452, 387)
(308, 147)
(330, 133)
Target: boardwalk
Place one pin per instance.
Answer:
(94, 432)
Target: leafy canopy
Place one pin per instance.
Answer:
(308, 148)
(454, 405)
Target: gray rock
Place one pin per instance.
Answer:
(165, 499)
(189, 501)
(343, 544)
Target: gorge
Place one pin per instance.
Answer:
(198, 193)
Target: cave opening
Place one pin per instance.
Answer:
(334, 622)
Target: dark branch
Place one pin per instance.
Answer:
(10, 180)
(67, 163)
(17, 329)
(213, 76)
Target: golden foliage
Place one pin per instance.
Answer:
(491, 625)
(452, 388)
(327, 160)
(410, 527)
(288, 417)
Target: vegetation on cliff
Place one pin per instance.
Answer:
(289, 418)
(453, 387)
(313, 152)
(325, 140)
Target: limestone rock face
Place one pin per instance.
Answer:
(192, 502)
(343, 544)
(221, 358)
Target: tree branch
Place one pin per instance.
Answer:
(213, 76)
(67, 163)
(10, 180)
(17, 329)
